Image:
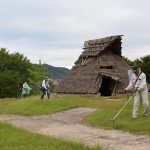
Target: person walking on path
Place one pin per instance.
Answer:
(139, 85)
(45, 88)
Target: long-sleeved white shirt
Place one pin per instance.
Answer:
(140, 83)
(25, 85)
(45, 84)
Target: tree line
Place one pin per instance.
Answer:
(15, 69)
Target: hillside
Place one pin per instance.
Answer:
(58, 72)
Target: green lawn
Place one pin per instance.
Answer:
(12, 138)
(106, 109)
(33, 106)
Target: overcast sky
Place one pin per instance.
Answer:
(54, 31)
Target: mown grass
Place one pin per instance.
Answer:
(106, 110)
(12, 138)
(33, 106)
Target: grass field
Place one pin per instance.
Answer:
(106, 109)
(12, 138)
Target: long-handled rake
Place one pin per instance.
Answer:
(113, 119)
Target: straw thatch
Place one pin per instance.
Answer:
(100, 68)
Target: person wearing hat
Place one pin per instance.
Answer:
(45, 88)
(139, 85)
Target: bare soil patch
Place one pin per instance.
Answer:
(69, 125)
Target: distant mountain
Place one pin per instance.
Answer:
(58, 72)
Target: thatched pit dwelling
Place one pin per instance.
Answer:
(99, 69)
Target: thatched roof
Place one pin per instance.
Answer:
(97, 46)
(100, 58)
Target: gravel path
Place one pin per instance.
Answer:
(69, 124)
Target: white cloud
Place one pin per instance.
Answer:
(55, 30)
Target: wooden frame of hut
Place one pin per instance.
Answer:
(99, 69)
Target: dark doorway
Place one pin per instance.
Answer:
(107, 86)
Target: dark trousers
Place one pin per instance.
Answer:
(44, 92)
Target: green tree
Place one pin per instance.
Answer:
(14, 70)
(143, 62)
(128, 61)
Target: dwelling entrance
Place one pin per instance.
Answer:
(107, 86)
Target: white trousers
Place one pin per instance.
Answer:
(143, 95)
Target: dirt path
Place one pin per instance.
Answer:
(69, 125)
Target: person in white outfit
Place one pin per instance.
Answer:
(139, 85)
(45, 88)
(25, 90)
